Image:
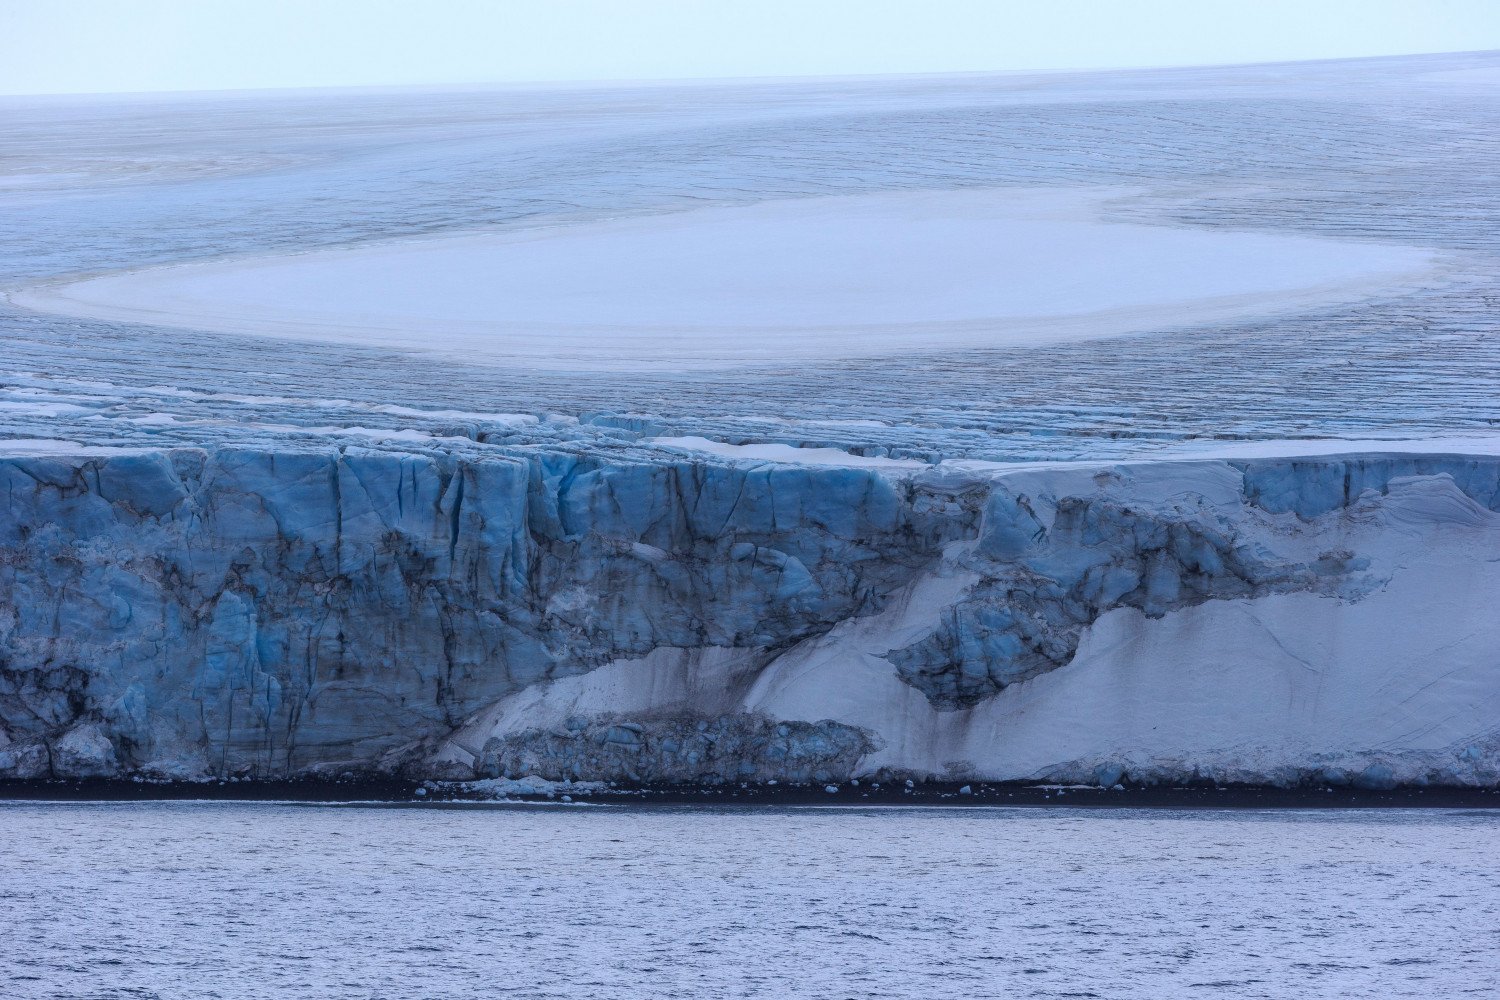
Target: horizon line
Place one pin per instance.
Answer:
(461, 86)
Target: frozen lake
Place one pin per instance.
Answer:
(265, 900)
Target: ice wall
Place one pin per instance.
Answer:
(269, 612)
(265, 613)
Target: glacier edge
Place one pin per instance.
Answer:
(270, 613)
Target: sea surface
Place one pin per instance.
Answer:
(235, 899)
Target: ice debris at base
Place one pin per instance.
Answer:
(680, 750)
(530, 785)
(202, 612)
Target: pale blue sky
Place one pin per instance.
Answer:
(71, 46)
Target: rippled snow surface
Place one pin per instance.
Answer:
(264, 900)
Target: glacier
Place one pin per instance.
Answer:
(1247, 542)
(194, 613)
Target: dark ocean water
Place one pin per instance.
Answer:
(233, 899)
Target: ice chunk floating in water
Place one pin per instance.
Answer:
(882, 275)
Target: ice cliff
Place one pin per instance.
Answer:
(659, 617)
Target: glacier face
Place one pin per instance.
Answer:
(290, 608)
(195, 613)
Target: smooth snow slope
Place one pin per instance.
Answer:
(871, 275)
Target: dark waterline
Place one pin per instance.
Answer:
(376, 792)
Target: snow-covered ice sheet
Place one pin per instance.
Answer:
(1376, 161)
(787, 280)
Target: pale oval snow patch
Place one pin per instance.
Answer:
(814, 278)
